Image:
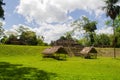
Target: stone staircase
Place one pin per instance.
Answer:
(73, 51)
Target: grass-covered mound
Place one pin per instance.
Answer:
(26, 63)
(16, 50)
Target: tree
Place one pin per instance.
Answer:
(1, 9)
(28, 38)
(84, 42)
(11, 40)
(1, 30)
(102, 40)
(112, 10)
(88, 26)
(63, 38)
(4, 39)
(117, 30)
(68, 35)
(117, 39)
(40, 41)
(22, 29)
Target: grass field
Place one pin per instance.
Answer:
(26, 63)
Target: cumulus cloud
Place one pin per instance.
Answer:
(47, 12)
(50, 32)
(13, 30)
(41, 11)
(56, 10)
(105, 30)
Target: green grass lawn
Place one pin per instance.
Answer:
(26, 63)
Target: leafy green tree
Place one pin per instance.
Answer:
(117, 39)
(4, 39)
(68, 35)
(40, 41)
(84, 42)
(63, 38)
(113, 11)
(28, 38)
(102, 40)
(22, 29)
(12, 38)
(1, 30)
(88, 26)
(1, 9)
(117, 31)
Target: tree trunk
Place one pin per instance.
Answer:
(114, 43)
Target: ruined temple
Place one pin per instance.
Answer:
(71, 46)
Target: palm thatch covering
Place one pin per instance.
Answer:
(54, 51)
(89, 52)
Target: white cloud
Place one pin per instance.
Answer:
(49, 11)
(44, 12)
(50, 32)
(78, 34)
(13, 30)
(105, 30)
(41, 11)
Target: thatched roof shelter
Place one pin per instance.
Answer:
(88, 51)
(54, 49)
(54, 52)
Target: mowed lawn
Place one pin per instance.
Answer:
(26, 63)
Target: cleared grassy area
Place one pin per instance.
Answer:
(26, 63)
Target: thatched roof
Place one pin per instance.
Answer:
(54, 49)
(87, 50)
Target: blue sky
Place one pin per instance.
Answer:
(51, 18)
(11, 17)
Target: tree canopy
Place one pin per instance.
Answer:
(113, 11)
(1, 9)
(111, 8)
(87, 25)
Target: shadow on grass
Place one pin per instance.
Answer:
(117, 59)
(17, 72)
